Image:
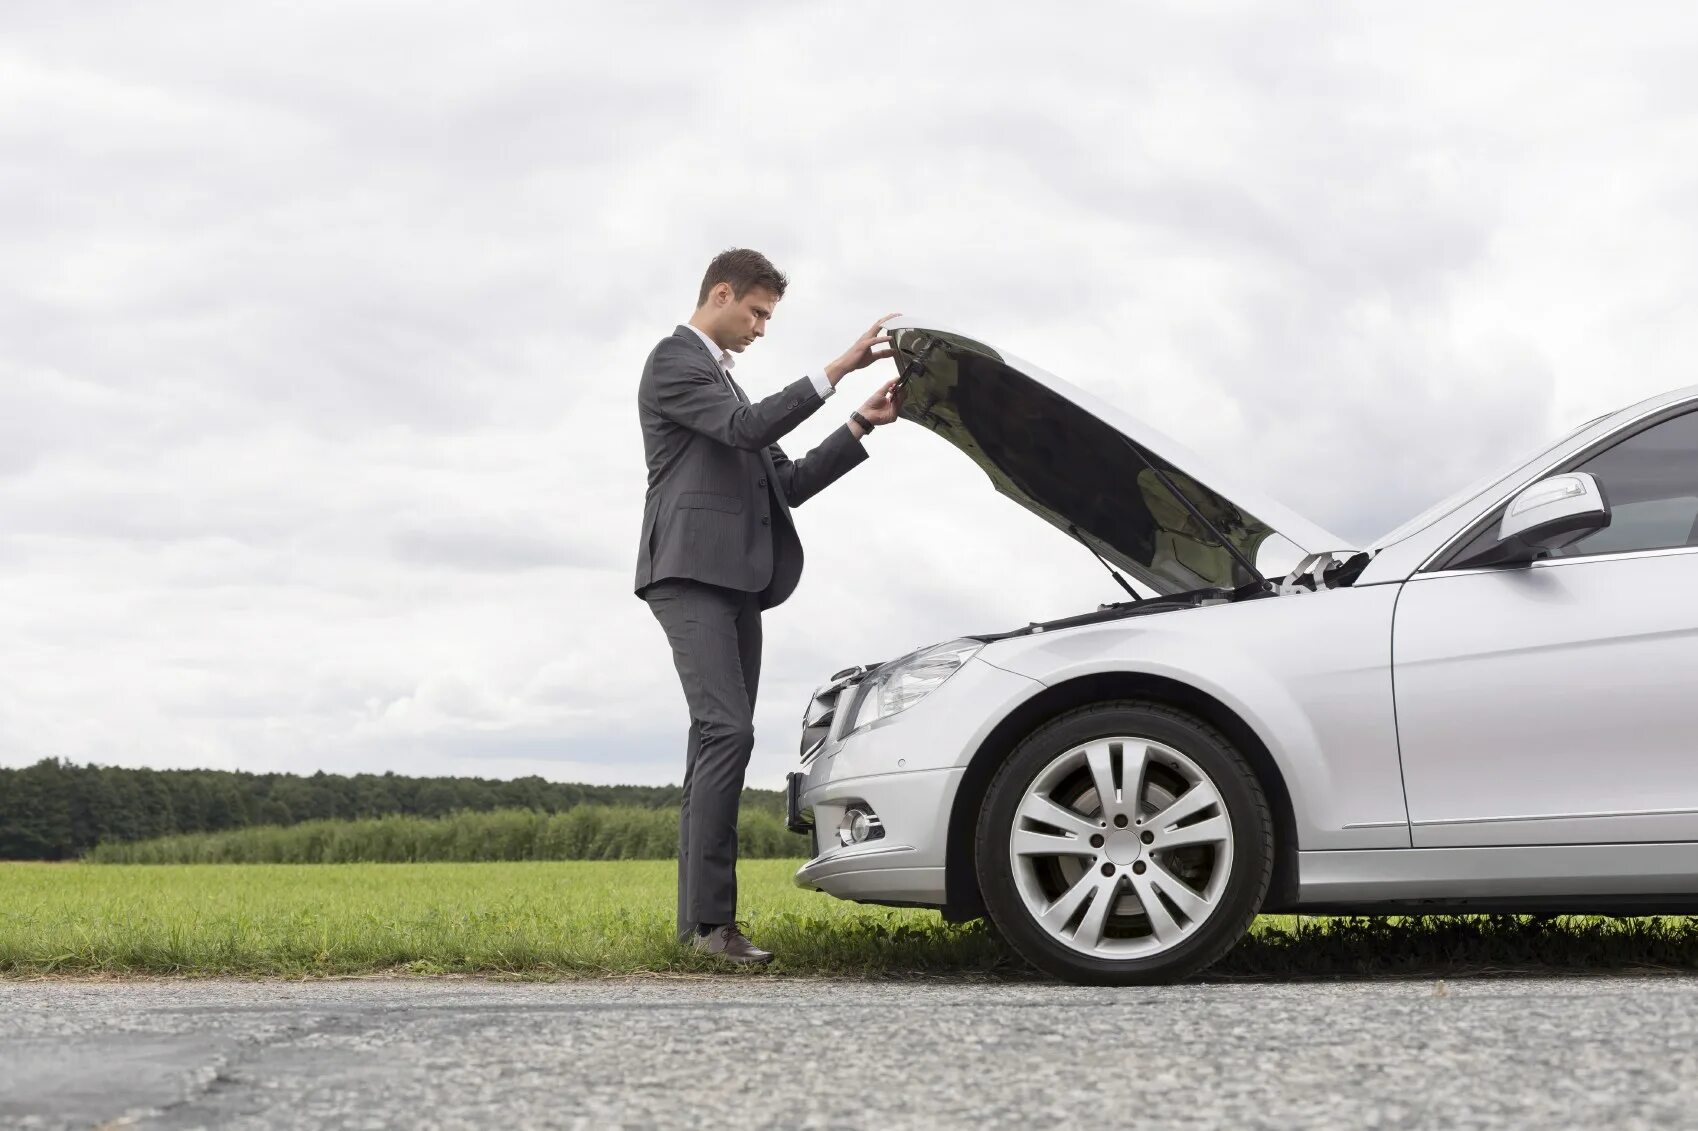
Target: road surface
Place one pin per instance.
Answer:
(756, 1051)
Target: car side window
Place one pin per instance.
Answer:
(1651, 482)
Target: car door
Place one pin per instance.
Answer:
(1557, 702)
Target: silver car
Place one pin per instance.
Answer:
(1492, 708)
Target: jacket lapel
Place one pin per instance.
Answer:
(738, 389)
(686, 332)
(766, 454)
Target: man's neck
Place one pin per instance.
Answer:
(706, 332)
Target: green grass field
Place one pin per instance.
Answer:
(545, 918)
(555, 919)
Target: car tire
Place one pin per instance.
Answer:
(1200, 910)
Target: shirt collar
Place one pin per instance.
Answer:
(719, 355)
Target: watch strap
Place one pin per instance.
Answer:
(866, 425)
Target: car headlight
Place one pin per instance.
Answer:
(902, 683)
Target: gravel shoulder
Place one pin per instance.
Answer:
(742, 1051)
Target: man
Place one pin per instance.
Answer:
(718, 547)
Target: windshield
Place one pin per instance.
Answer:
(1479, 487)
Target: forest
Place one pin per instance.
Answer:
(56, 810)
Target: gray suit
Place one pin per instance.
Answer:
(717, 547)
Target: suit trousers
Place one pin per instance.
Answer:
(715, 635)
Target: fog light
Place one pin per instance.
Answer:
(859, 825)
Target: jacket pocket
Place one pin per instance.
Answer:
(710, 501)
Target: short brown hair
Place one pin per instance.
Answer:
(743, 269)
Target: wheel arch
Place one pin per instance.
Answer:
(964, 900)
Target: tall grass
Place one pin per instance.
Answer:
(586, 832)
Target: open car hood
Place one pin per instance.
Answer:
(1141, 500)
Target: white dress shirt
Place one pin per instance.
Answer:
(822, 385)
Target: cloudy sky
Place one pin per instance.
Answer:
(320, 328)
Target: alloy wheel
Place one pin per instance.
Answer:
(1121, 847)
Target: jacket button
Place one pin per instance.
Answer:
(795, 404)
(765, 520)
(761, 482)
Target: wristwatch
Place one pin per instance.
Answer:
(866, 425)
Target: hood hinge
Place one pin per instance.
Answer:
(1324, 571)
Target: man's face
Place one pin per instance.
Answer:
(740, 321)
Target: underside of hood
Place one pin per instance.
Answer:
(1131, 494)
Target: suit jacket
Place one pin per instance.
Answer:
(720, 488)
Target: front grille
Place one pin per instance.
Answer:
(794, 818)
(816, 724)
(822, 709)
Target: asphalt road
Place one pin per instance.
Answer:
(742, 1051)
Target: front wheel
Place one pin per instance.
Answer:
(1124, 843)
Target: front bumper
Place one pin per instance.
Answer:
(906, 769)
(905, 868)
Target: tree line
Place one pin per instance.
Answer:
(55, 810)
(584, 832)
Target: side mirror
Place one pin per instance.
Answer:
(1549, 515)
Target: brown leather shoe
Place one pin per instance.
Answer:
(728, 944)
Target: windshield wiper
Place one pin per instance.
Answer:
(1112, 572)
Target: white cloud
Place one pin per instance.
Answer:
(319, 329)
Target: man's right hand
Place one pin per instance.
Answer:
(863, 353)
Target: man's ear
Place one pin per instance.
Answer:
(721, 293)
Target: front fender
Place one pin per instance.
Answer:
(1309, 674)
